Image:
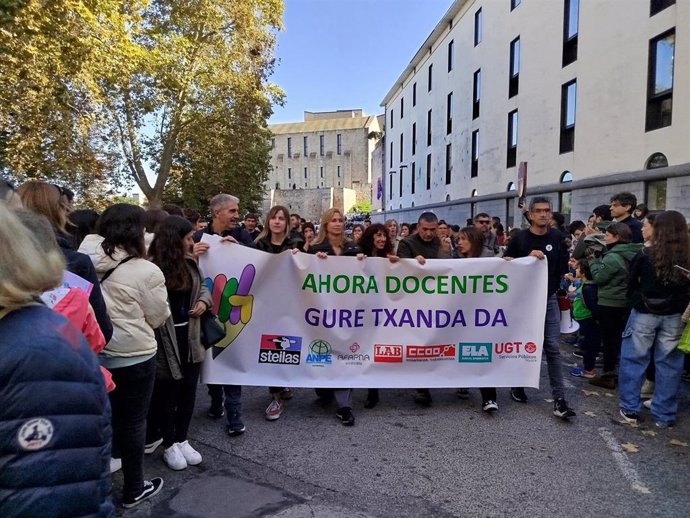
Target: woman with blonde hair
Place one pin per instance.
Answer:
(46, 199)
(54, 411)
(331, 241)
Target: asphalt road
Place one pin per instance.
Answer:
(450, 460)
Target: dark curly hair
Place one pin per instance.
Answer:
(366, 242)
(122, 225)
(670, 246)
(167, 251)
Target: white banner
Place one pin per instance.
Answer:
(300, 321)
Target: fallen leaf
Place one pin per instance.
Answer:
(608, 394)
(590, 414)
(649, 433)
(630, 447)
(631, 425)
(676, 442)
(549, 400)
(590, 392)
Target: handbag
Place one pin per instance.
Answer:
(684, 342)
(659, 306)
(211, 331)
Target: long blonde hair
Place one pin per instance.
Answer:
(323, 228)
(27, 269)
(45, 199)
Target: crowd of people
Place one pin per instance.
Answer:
(102, 344)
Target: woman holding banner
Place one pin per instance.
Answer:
(331, 241)
(471, 245)
(275, 239)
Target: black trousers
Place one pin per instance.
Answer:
(130, 403)
(172, 407)
(611, 325)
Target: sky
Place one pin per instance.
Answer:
(347, 54)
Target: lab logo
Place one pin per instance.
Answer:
(388, 353)
(35, 434)
(319, 353)
(475, 352)
(280, 349)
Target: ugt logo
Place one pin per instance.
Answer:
(232, 304)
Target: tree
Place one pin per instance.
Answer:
(111, 91)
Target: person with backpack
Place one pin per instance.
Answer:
(610, 272)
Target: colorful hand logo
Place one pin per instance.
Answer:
(232, 304)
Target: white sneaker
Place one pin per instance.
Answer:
(647, 389)
(648, 403)
(151, 447)
(192, 456)
(115, 465)
(274, 409)
(173, 457)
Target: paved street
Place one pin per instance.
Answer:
(446, 461)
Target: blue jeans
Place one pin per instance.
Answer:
(552, 347)
(644, 331)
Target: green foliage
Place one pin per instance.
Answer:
(363, 207)
(100, 94)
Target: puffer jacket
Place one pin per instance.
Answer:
(610, 273)
(136, 298)
(55, 430)
(168, 354)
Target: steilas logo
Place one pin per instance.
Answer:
(388, 353)
(280, 349)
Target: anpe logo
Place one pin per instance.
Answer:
(475, 352)
(388, 353)
(530, 347)
(319, 353)
(424, 353)
(280, 349)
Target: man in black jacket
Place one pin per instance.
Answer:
(622, 207)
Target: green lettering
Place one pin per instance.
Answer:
(309, 283)
(500, 280)
(488, 284)
(392, 284)
(372, 286)
(459, 284)
(424, 287)
(442, 285)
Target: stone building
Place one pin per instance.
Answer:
(588, 93)
(322, 162)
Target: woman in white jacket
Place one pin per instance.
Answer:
(135, 294)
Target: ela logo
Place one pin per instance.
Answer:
(280, 349)
(319, 353)
(388, 353)
(475, 352)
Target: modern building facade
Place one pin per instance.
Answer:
(587, 92)
(322, 162)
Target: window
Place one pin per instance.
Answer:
(289, 147)
(655, 195)
(391, 117)
(414, 138)
(449, 162)
(656, 160)
(510, 208)
(338, 172)
(414, 94)
(391, 156)
(511, 159)
(273, 143)
(413, 170)
(428, 171)
(402, 107)
(390, 184)
(400, 181)
(289, 173)
(476, 93)
(430, 76)
(477, 27)
(451, 46)
(449, 114)
(656, 6)
(660, 81)
(514, 4)
(305, 145)
(306, 174)
(339, 144)
(321, 171)
(401, 147)
(565, 198)
(514, 81)
(568, 96)
(475, 154)
(321, 145)
(428, 128)
(571, 17)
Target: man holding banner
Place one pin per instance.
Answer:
(543, 242)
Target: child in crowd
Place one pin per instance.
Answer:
(584, 304)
